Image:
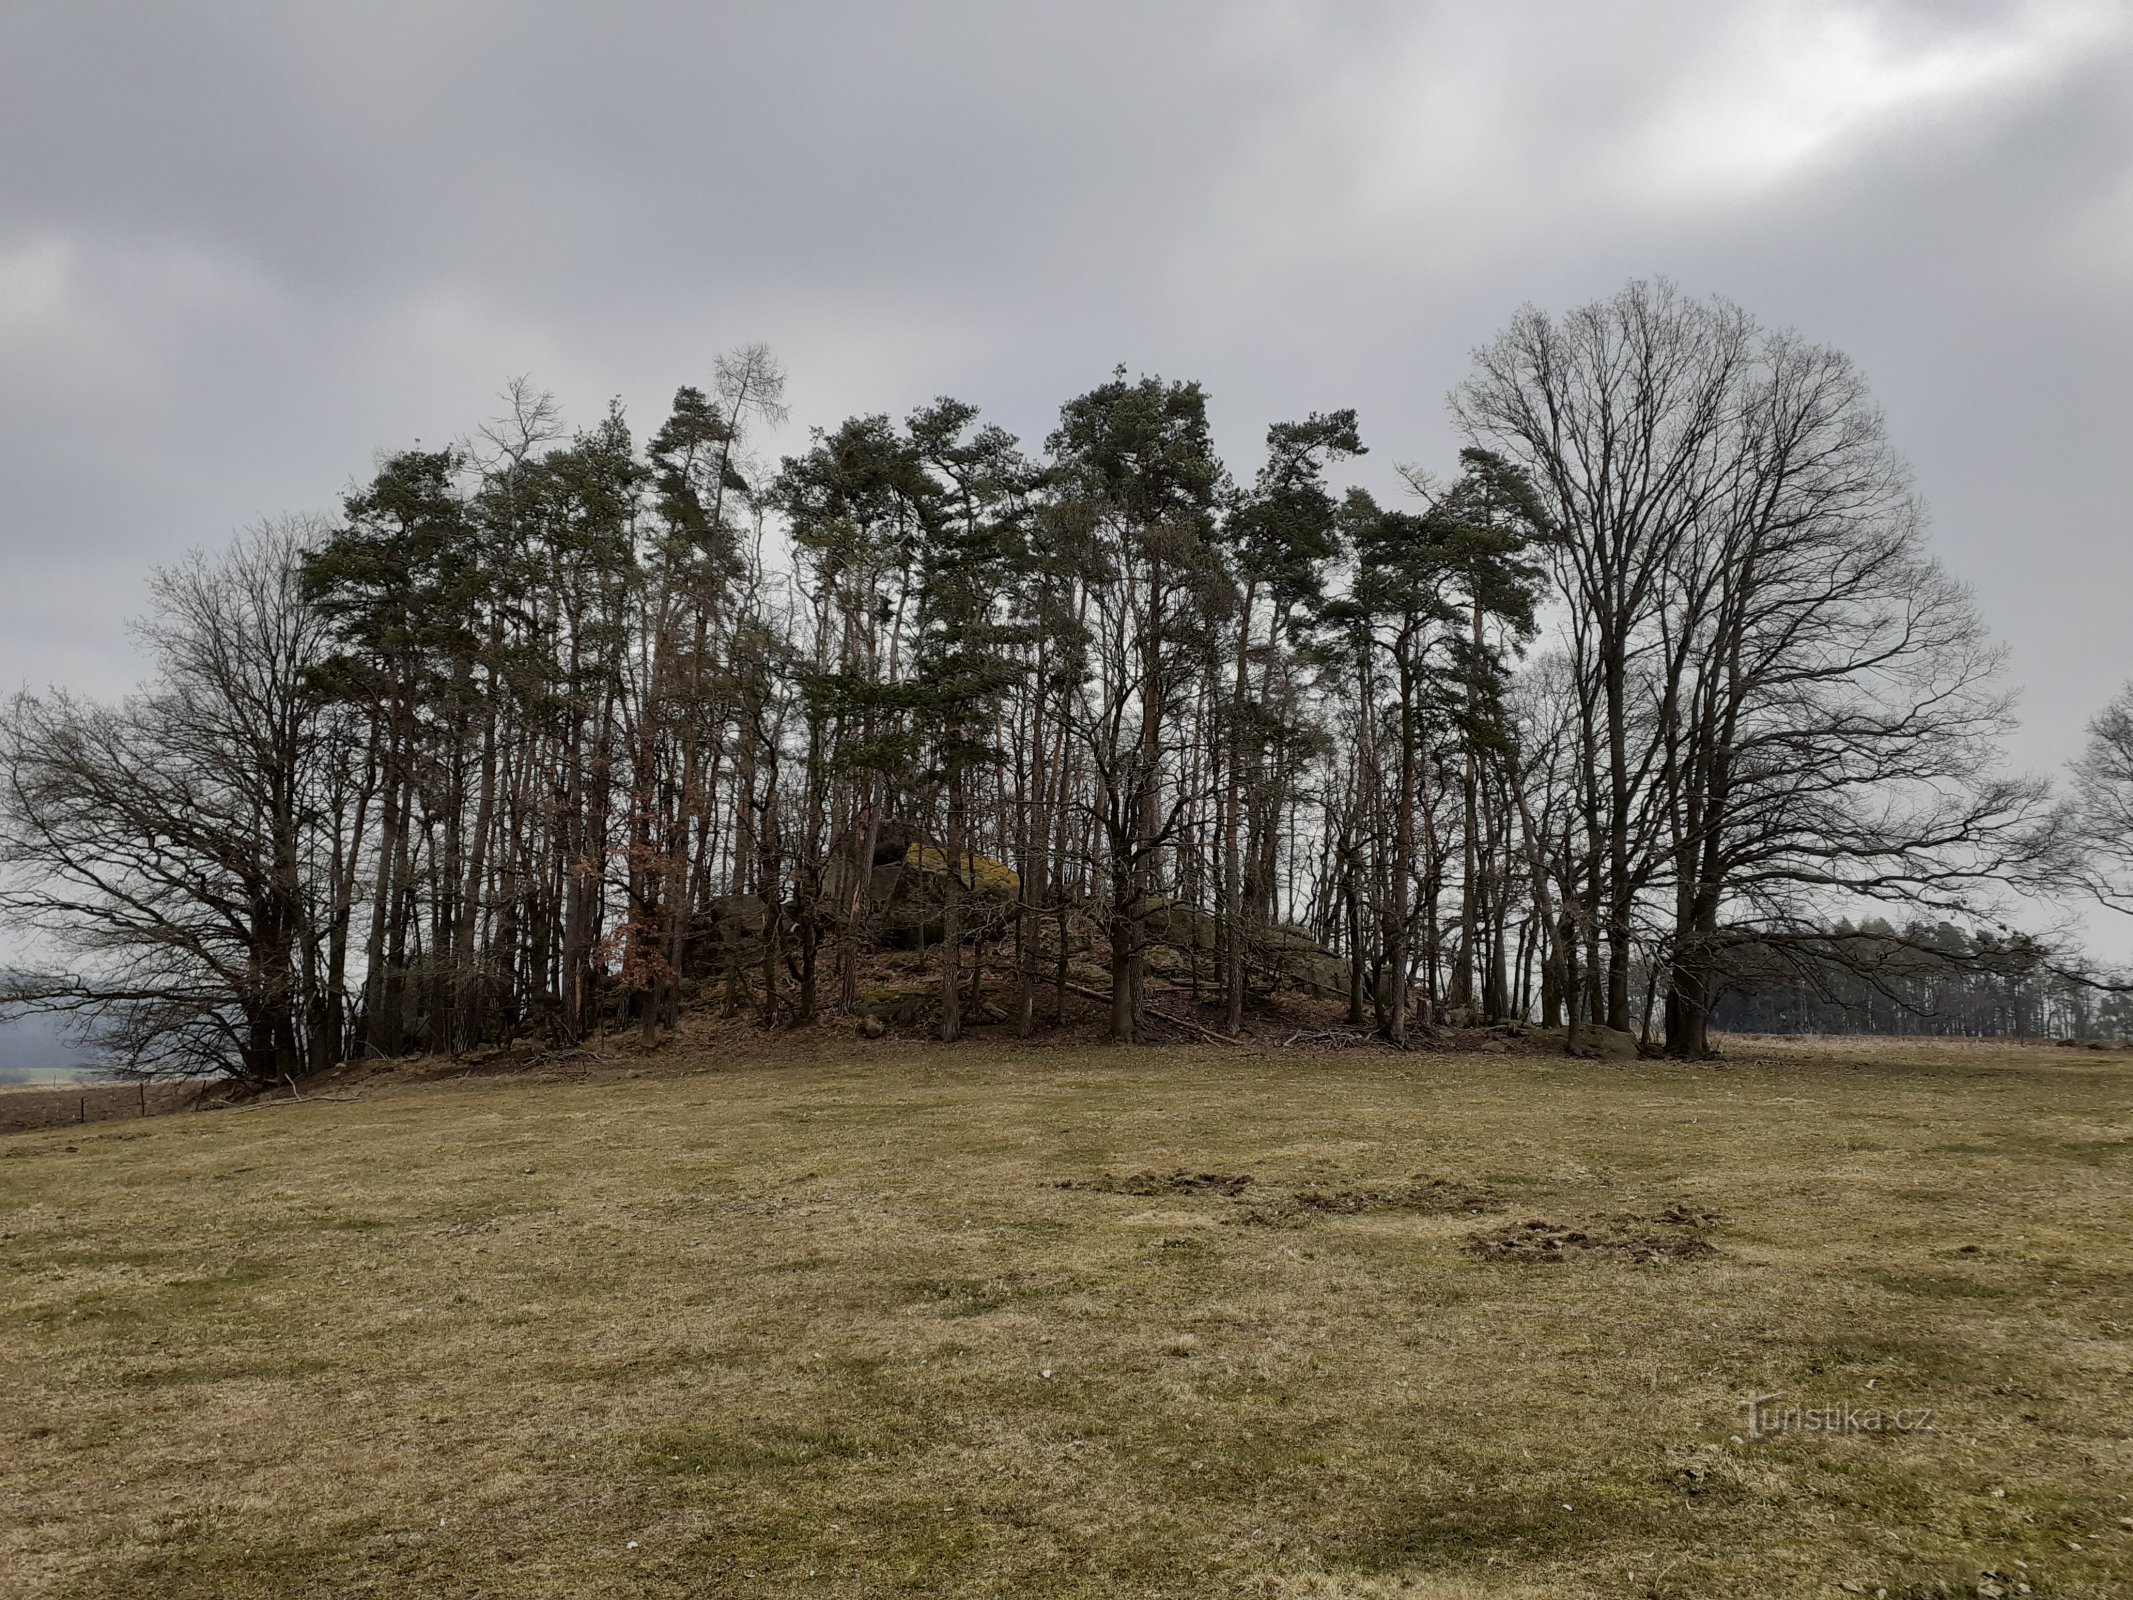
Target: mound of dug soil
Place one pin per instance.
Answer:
(1265, 1205)
(1426, 1196)
(1675, 1234)
(1162, 1183)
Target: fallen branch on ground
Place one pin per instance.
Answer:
(1159, 1016)
(299, 1100)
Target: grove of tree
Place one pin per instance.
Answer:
(559, 730)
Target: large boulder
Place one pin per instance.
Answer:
(1592, 1042)
(730, 929)
(1281, 952)
(1179, 925)
(918, 1005)
(909, 897)
(893, 839)
(900, 1005)
(1082, 933)
(1300, 959)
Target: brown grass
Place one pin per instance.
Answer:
(825, 1321)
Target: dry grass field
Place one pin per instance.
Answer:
(850, 1319)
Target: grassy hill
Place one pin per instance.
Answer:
(823, 1318)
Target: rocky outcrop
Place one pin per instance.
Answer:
(913, 1005)
(906, 895)
(1592, 1042)
(730, 930)
(1297, 958)
(1279, 955)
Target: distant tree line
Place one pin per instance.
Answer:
(1926, 979)
(556, 730)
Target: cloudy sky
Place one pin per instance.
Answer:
(242, 247)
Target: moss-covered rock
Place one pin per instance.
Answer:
(910, 897)
(900, 1005)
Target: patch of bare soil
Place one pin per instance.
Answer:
(1163, 1183)
(1265, 1205)
(1679, 1233)
(1424, 1196)
(1679, 1215)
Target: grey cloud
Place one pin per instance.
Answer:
(241, 246)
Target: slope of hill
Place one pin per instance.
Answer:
(888, 1319)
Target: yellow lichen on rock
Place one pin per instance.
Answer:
(983, 874)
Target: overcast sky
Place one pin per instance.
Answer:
(243, 247)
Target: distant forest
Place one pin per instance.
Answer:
(1922, 979)
(1614, 719)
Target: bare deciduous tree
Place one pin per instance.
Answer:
(182, 844)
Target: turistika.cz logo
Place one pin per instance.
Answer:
(1769, 1417)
